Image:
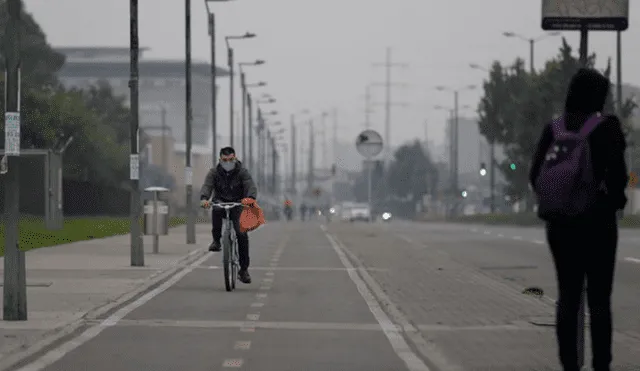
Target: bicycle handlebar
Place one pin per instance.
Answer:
(226, 205)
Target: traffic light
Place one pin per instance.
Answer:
(464, 194)
(513, 166)
(483, 169)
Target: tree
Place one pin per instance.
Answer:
(516, 105)
(96, 119)
(412, 173)
(40, 62)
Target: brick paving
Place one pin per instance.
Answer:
(431, 288)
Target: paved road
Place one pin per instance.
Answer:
(398, 296)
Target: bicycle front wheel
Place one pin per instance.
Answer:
(227, 263)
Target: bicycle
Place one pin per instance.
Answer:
(229, 240)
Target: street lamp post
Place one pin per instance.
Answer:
(250, 123)
(191, 217)
(492, 155)
(531, 42)
(137, 248)
(263, 135)
(230, 64)
(243, 88)
(15, 286)
(455, 131)
(453, 147)
(293, 150)
(214, 87)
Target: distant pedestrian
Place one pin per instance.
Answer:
(579, 175)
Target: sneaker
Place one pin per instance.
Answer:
(214, 246)
(244, 276)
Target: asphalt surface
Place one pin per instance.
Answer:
(391, 296)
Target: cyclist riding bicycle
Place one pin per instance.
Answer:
(229, 181)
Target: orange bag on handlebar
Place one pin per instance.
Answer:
(251, 218)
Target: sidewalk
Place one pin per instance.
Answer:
(67, 283)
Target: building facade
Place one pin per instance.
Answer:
(162, 86)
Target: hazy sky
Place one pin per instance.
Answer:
(320, 53)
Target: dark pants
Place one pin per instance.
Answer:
(584, 250)
(243, 239)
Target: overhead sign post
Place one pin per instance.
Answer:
(369, 144)
(574, 15)
(583, 16)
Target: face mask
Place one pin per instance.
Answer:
(228, 166)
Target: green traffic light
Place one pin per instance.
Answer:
(513, 166)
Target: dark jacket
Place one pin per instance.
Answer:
(586, 95)
(230, 186)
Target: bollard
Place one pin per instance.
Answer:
(158, 212)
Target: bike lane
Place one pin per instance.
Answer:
(307, 309)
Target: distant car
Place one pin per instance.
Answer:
(360, 212)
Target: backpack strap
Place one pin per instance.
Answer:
(591, 124)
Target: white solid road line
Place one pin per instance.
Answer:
(632, 260)
(56, 354)
(391, 331)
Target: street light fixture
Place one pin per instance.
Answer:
(247, 35)
(531, 42)
(478, 67)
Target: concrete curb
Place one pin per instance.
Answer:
(25, 352)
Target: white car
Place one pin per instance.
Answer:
(360, 212)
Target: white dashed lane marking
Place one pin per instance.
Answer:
(242, 345)
(233, 363)
(632, 260)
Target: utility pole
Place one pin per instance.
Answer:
(324, 140)
(492, 174)
(163, 122)
(334, 147)
(231, 97)
(243, 91)
(311, 156)
(367, 107)
(259, 160)
(15, 284)
(274, 167)
(293, 155)
(137, 250)
(388, 65)
(214, 89)
(250, 133)
(191, 222)
(426, 133)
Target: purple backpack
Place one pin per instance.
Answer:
(566, 186)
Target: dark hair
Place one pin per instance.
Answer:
(226, 151)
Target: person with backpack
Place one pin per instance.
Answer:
(579, 175)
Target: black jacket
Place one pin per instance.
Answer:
(586, 95)
(230, 186)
